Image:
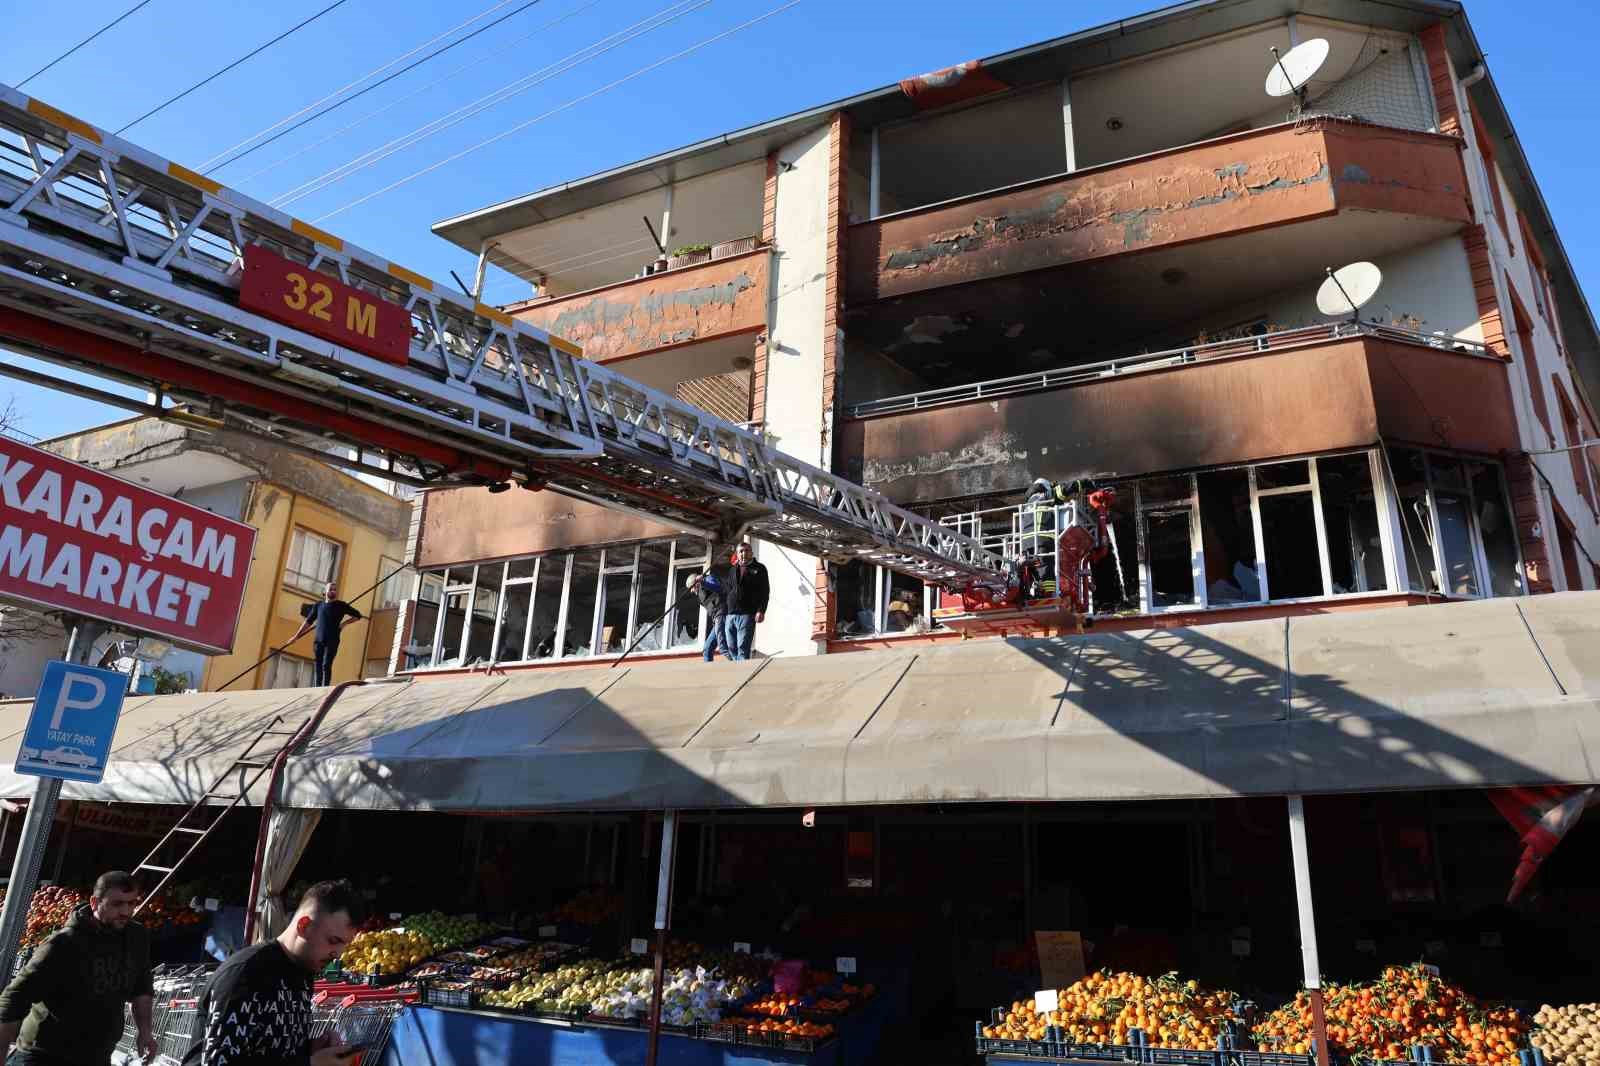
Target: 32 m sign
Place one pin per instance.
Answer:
(324, 306)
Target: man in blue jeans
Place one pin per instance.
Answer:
(710, 588)
(329, 618)
(747, 593)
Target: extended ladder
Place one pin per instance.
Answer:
(122, 264)
(218, 801)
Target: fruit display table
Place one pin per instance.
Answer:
(439, 1036)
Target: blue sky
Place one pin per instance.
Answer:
(816, 51)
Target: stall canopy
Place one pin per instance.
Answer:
(1466, 695)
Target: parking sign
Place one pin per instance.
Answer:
(73, 722)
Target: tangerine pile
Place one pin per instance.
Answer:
(785, 1027)
(772, 1005)
(1104, 1007)
(1405, 1006)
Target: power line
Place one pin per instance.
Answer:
(489, 100)
(341, 131)
(81, 43)
(213, 164)
(557, 110)
(242, 59)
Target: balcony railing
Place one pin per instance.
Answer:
(1135, 364)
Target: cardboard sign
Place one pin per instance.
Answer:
(741, 948)
(324, 306)
(1061, 960)
(1046, 1000)
(213, 904)
(77, 540)
(845, 964)
(639, 946)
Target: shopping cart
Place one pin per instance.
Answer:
(182, 1026)
(172, 984)
(359, 1017)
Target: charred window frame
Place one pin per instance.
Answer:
(557, 606)
(1458, 530)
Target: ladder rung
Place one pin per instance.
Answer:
(157, 869)
(186, 829)
(280, 732)
(252, 764)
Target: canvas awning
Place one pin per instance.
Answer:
(1467, 695)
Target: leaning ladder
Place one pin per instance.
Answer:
(208, 812)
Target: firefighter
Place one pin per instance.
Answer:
(1037, 526)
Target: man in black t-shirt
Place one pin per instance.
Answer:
(257, 1006)
(328, 618)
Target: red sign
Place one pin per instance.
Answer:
(324, 306)
(74, 539)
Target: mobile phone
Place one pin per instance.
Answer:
(353, 1050)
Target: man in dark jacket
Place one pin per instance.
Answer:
(748, 590)
(257, 1006)
(710, 587)
(328, 617)
(65, 1007)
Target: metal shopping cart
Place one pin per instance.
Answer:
(359, 1017)
(173, 985)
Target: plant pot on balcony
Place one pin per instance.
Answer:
(682, 257)
(726, 248)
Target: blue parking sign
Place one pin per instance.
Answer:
(73, 722)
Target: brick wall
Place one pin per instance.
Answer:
(1442, 78)
(769, 233)
(1524, 485)
(822, 606)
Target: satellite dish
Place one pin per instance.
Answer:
(1349, 288)
(1295, 68)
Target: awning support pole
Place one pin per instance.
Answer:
(669, 845)
(1308, 924)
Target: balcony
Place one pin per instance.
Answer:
(1280, 394)
(1396, 187)
(711, 300)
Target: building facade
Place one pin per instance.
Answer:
(314, 523)
(1098, 256)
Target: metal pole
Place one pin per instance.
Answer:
(1308, 925)
(669, 842)
(36, 825)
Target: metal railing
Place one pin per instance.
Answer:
(1085, 373)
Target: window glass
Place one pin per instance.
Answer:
(904, 612)
(579, 633)
(685, 621)
(486, 605)
(1162, 490)
(547, 606)
(653, 578)
(1350, 513)
(616, 590)
(1455, 543)
(1170, 553)
(1447, 472)
(1228, 537)
(289, 671)
(1289, 542)
(451, 642)
(514, 623)
(398, 581)
(1411, 489)
(313, 561)
(424, 622)
(1497, 530)
(1283, 475)
(520, 569)
(855, 584)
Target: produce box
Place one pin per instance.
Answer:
(450, 992)
(804, 1037)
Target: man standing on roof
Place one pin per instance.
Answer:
(65, 1007)
(328, 617)
(257, 1007)
(747, 594)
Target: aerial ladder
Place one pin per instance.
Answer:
(124, 265)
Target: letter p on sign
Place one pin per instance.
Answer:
(80, 692)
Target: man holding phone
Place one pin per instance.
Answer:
(257, 1006)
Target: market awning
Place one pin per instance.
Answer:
(1467, 695)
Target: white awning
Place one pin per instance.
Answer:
(1466, 695)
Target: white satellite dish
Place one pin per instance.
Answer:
(1349, 289)
(1295, 68)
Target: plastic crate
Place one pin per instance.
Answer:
(1270, 1058)
(728, 1033)
(372, 980)
(450, 994)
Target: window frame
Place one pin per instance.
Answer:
(296, 530)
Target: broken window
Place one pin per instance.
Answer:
(485, 608)
(1116, 577)
(1410, 472)
(548, 590)
(1350, 514)
(616, 600)
(1169, 550)
(509, 645)
(1497, 529)
(1228, 538)
(582, 594)
(1290, 543)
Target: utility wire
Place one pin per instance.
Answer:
(81, 43)
(489, 100)
(217, 161)
(557, 110)
(242, 59)
(474, 64)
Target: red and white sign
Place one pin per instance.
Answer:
(324, 306)
(75, 539)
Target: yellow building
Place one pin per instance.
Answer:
(314, 523)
